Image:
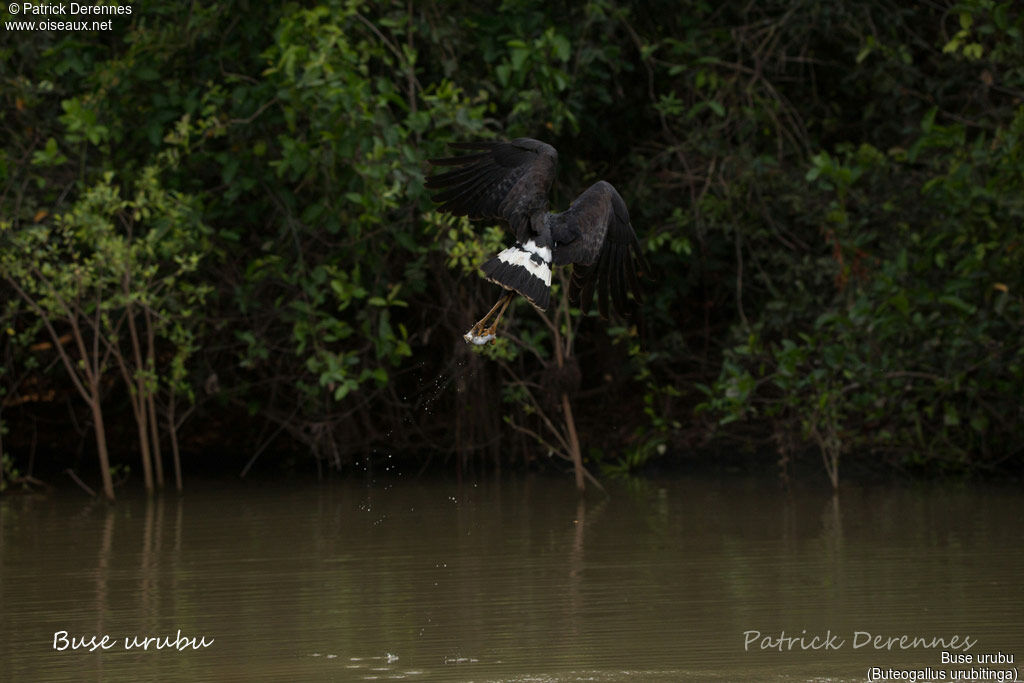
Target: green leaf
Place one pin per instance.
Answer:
(518, 58)
(958, 303)
(563, 50)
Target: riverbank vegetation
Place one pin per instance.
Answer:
(215, 240)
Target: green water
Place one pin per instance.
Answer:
(684, 579)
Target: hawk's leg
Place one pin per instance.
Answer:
(480, 333)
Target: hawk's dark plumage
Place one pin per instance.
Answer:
(509, 182)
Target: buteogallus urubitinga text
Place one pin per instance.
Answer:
(509, 182)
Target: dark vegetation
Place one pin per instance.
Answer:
(215, 242)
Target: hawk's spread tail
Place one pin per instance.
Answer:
(524, 268)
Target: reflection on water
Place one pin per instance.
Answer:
(511, 580)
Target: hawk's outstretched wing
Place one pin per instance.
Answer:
(506, 181)
(595, 235)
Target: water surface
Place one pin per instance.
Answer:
(512, 580)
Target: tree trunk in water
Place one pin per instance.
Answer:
(570, 421)
(574, 443)
(101, 444)
(173, 429)
(138, 398)
(139, 405)
(154, 433)
(154, 426)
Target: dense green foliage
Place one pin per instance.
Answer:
(829, 195)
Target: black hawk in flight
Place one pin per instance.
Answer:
(509, 182)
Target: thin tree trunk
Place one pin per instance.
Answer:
(570, 422)
(154, 426)
(574, 443)
(139, 408)
(101, 443)
(154, 435)
(138, 397)
(172, 428)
